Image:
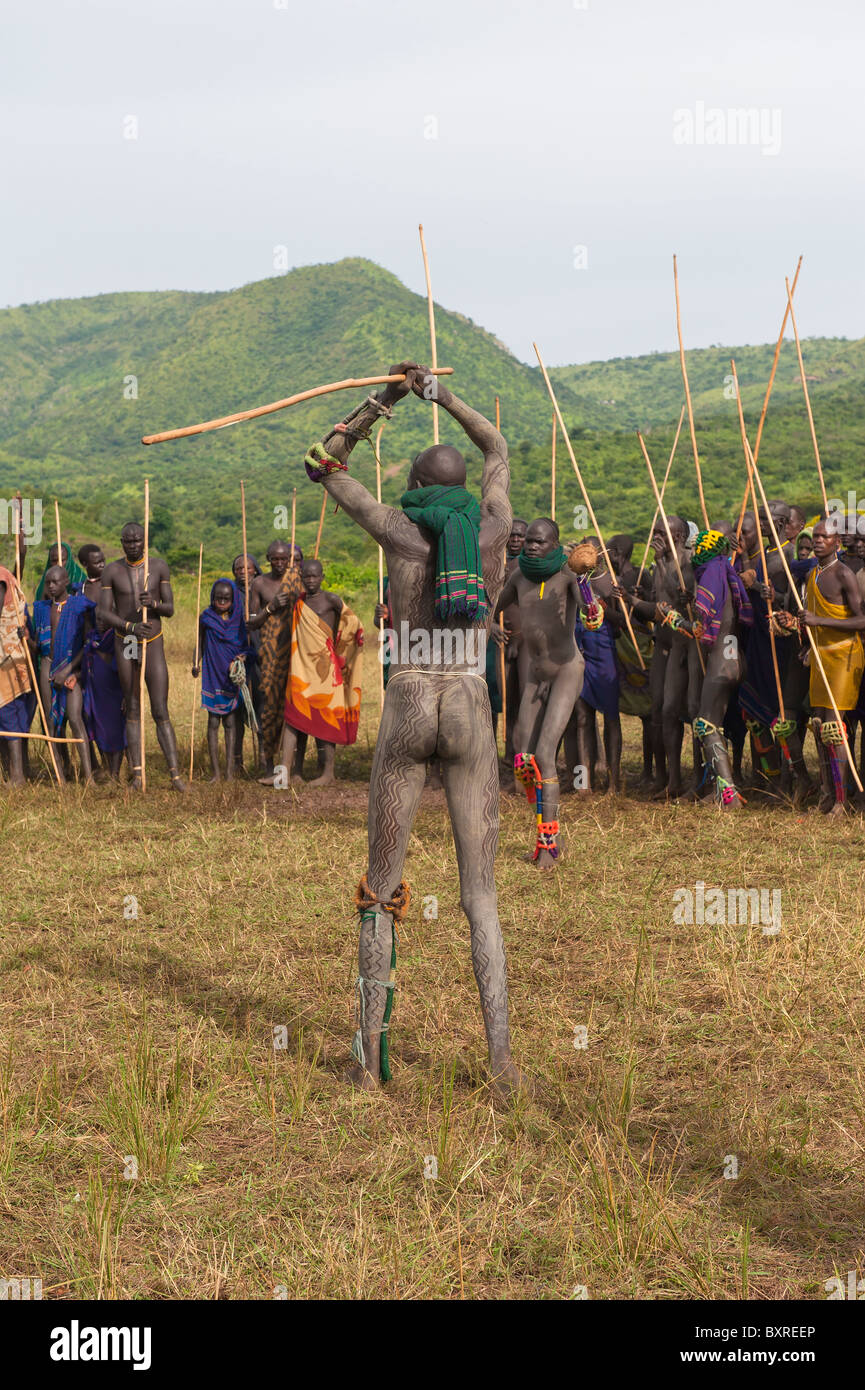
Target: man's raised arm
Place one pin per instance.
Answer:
(326, 462)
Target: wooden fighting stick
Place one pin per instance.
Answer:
(814, 648)
(195, 661)
(673, 550)
(767, 397)
(225, 420)
(432, 329)
(587, 500)
(688, 396)
(746, 447)
(663, 490)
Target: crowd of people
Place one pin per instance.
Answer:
(715, 643)
(718, 642)
(276, 654)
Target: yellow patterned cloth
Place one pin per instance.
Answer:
(14, 676)
(841, 652)
(323, 692)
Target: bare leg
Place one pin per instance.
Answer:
(469, 770)
(75, 715)
(16, 761)
(613, 748)
(587, 734)
(213, 746)
(327, 750)
(286, 762)
(406, 739)
(230, 725)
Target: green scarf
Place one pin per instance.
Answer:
(76, 574)
(453, 515)
(543, 566)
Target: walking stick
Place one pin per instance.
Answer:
(141, 678)
(57, 523)
(195, 662)
(432, 329)
(814, 648)
(587, 500)
(746, 448)
(688, 396)
(293, 522)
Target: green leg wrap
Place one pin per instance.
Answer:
(385, 1054)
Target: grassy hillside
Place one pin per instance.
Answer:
(67, 428)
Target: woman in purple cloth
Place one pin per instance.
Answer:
(596, 632)
(224, 648)
(103, 700)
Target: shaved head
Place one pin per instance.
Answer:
(441, 465)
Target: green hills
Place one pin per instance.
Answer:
(82, 380)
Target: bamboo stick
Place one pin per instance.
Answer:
(673, 551)
(688, 396)
(224, 420)
(807, 399)
(814, 648)
(663, 490)
(195, 662)
(432, 328)
(766, 398)
(587, 500)
(142, 688)
(745, 446)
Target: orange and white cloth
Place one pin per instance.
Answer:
(14, 676)
(322, 696)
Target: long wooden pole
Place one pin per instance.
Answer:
(19, 622)
(688, 396)
(142, 687)
(767, 397)
(293, 522)
(377, 452)
(245, 566)
(587, 500)
(807, 398)
(498, 413)
(663, 490)
(553, 472)
(432, 329)
(320, 523)
(224, 420)
(57, 524)
(195, 662)
(673, 551)
(747, 450)
(814, 648)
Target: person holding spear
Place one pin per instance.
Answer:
(136, 611)
(835, 614)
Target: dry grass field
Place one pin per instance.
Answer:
(147, 1043)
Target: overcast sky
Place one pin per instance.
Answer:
(557, 151)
